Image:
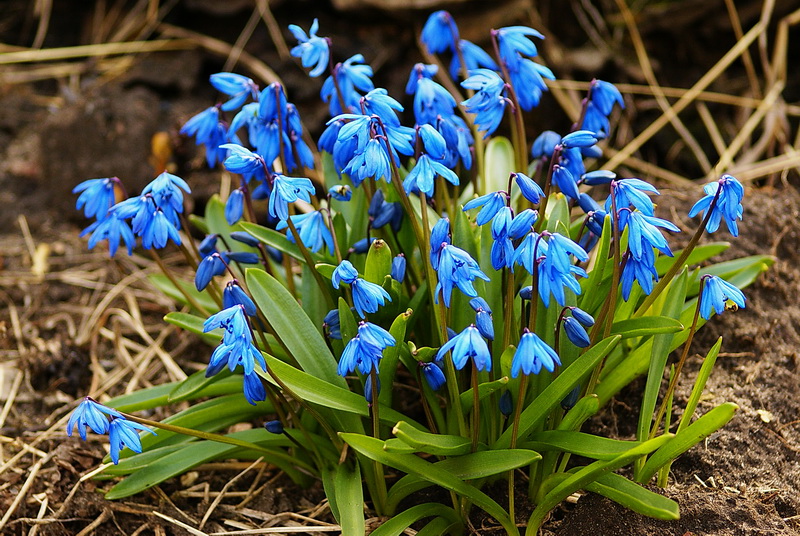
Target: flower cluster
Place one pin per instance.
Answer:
(100, 419)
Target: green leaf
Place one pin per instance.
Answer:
(349, 497)
(581, 478)
(192, 455)
(149, 398)
(499, 164)
(484, 390)
(314, 390)
(587, 445)
(277, 240)
(409, 463)
(583, 410)
(193, 324)
(398, 523)
(591, 295)
(634, 497)
(391, 356)
(699, 385)
(689, 437)
(646, 325)
(699, 254)
(673, 305)
(468, 467)
(133, 463)
(347, 323)
(557, 213)
(301, 337)
(379, 262)
(440, 526)
(555, 392)
(197, 385)
(436, 444)
(165, 286)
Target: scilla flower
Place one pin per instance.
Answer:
(236, 86)
(97, 196)
(123, 433)
(489, 101)
(287, 190)
(367, 297)
(532, 354)
(716, 294)
(440, 32)
(456, 268)
(728, 205)
(364, 351)
(92, 414)
(312, 50)
(467, 344)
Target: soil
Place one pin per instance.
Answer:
(55, 133)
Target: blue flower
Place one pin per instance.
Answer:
(312, 50)
(331, 324)
(313, 231)
(378, 102)
(582, 316)
(399, 268)
(528, 81)
(253, 388)
(532, 354)
(364, 351)
(433, 374)
(202, 125)
(513, 41)
(421, 177)
(440, 236)
(483, 317)
(381, 212)
(642, 270)
(420, 72)
(431, 100)
(344, 273)
(351, 77)
(631, 193)
(92, 414)
(341, 192)
(237, 346)
(235, 295)
(643, 233)
(474, 58)
(241, 160)
(212, 265)
(243, 257)
(580, 139)
(97, 196)
(167, 191)
(576, 333)
(456, 268)
(602, 97)
(370, 394)
(122, 433)
(372, 162)
(287, 190)
(716, 293)
(528, 188)
(234, 206)
(113, 229)
(159, 231)
(440, 32)
(208, 245)
(502, 253)
(368, 297)
(565, 181)
(236, 86)
(501, 223)
(728, 205)
(522, 223)
(489, 103)
(467, 344)
(492, 203)
(545, 143)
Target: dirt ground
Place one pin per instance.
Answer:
(73, 322)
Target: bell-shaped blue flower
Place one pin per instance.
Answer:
(344, 273)
(287, 190)
(253, 388)
(312, 50)
(123, 433)
(576, 333)
(368, 297)
(364, 351)
(440, 32)
(467, 344)
(532, 355)
(433, 374)
(489, 102)
(421, 177)
(97, 196)
(492, 203)
(457, 268)
(92, 414)
(528, 188)
(234, 294)
(728, 205)
(716, 294)
(474, 58)
(313, 231)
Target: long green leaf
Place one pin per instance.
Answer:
(588, 445)
(687, 438)
(634, 497)
(319, 392)
(409, 463)
(555, 392)
(581, 478)
(391, 357)
(400, 522)
(468, 467)
(193, 324)
(436, 444)
(646, 325)
(349, 498)
(699, 385)
(293, 327)
(484, 390)
(662, 344)
(192, 455)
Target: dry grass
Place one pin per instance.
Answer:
(120, 315)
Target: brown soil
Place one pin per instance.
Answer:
(744, 480)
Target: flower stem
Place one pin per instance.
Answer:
(189, 298)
